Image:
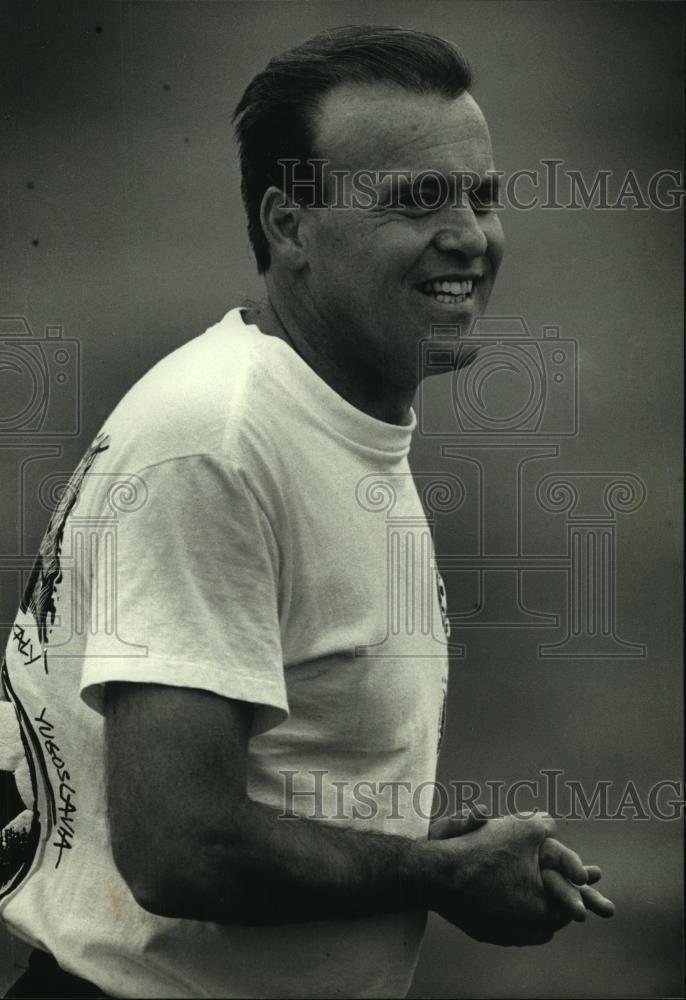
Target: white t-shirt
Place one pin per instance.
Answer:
(239, 528)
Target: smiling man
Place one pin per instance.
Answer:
(208, 782)
(362, 286)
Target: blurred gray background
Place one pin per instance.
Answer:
(122, 223)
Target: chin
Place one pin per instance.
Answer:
(466, 354)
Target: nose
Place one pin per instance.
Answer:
(460, 232)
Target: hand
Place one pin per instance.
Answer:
(566, 879)
(561, 871)
(488, 881)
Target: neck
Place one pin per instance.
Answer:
(358, 383)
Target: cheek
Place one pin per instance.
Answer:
(339, 251)
(496, 240)
(361, 260)
(341, 228)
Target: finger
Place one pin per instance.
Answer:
(438, 828)
(563, 859)
(563, 894)
(476, 809)
(474, 816)
(456, 826)
(550, 824)
(541, 824)
(594, 874)
(596, 902)
(472, 820)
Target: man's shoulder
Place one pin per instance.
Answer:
(193, 400)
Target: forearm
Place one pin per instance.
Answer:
(190, 844)
(271, 870)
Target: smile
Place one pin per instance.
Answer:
(446, 290)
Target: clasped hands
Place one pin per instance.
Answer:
(515, 884)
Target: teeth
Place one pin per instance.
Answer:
(448, 291)
(450, 287)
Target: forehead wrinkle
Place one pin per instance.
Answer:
(427, 156)
(400, 150)
(452, 148)
(361, 141)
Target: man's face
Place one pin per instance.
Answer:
(375, 275)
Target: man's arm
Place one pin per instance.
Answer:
(190, 844)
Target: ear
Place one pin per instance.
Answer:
(282, 224)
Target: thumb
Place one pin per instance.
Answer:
(456, 826)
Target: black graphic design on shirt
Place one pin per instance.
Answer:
(32, 810)
(441, 721)
(443, 604)
(39, 596)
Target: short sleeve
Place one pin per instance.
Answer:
(196, 577)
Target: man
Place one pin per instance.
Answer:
(171, 842)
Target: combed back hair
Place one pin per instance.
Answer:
(274, 118)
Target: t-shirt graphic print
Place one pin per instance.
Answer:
(36, 798)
